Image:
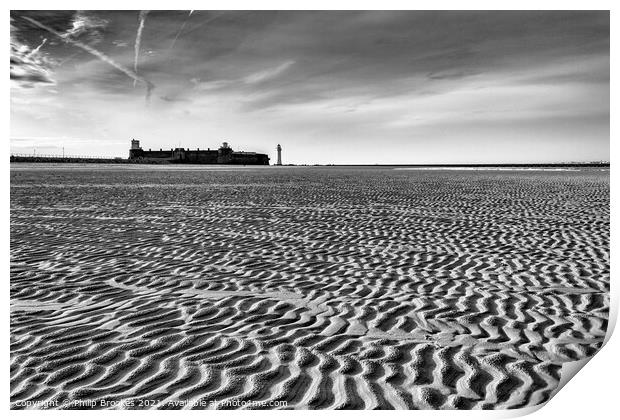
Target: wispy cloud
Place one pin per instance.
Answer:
(149, 85)
(50, 140)
(86, 27)
(255, 78)
(268, 74)
(28, 66)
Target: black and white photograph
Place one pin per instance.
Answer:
(306, 209)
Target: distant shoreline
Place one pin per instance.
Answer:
(43, 159)
(485, 165)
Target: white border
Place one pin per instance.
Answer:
(592, 394)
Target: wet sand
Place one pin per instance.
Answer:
(322, 287)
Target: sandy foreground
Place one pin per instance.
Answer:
(303, 287)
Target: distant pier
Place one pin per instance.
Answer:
(65, 159)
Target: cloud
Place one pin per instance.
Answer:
(211, 85)
(451, 74)
(51, 141)
(251, 79)
(169, 98)
(346, 77)
(86, 28)
(101, 56)
(268, 74)
(28, 72)
(28, 66)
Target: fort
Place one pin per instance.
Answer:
(222, 156)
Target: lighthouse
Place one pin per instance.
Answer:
(279, 149)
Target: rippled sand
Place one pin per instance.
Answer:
(322, 287)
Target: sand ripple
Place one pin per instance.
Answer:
(324, 288)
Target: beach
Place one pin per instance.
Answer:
(302, 287)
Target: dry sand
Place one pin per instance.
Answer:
(324, 288)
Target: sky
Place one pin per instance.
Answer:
(348, 87)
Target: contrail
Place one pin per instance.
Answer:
(181, 30)
(36, 50)
(143, 14)
(149, 86)
(207, 21)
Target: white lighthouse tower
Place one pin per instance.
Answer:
(279, 149)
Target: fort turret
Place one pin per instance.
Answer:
(136, 150)
(224, 153)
